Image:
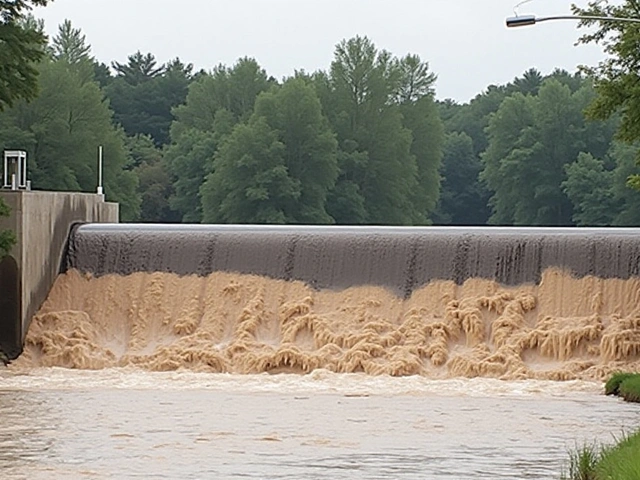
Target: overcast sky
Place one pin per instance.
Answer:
(465, 41)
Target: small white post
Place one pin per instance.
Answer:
(14, 185)
(100, 189)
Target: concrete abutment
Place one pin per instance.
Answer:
(41, 222)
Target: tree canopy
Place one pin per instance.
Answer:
(22, 46)
(362, 142)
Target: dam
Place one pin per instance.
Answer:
(323, 352)
(507, 303)
(40, 222)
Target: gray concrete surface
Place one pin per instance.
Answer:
(41, 221)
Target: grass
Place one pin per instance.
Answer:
(617, 462)
(620, 461)
(582, 463)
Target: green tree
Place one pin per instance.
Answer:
(589, 186)
(189, 161)
(377, 168)
(616, 78)
(532, 139)
(154, 187)
(506, 161)
(232, 89)
(626, 170)
(61, 130)
(216, 102)
(463, 199)
(293, 114)
(528, 84)
(70, 45)
(21, 48)
(250, 182)
(143, 94)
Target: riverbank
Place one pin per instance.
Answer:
(624, 385)
(620, 461)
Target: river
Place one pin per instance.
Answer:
(131, 424)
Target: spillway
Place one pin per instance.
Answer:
(507, 303)
(400, 259)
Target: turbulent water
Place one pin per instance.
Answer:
(384, 374)
(127, 424)
(563, 328)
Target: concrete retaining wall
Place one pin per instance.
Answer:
(41, 221)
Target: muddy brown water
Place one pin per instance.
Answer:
(128, 424)
(304, 353)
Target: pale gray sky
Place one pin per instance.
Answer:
(465, 41)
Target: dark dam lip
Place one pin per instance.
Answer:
(399, 258)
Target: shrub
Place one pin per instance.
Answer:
(630, 389)
(613, 384)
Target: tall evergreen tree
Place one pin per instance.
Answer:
(22, 46)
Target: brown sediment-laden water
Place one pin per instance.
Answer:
(213, 352)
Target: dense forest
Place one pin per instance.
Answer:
(364, 142)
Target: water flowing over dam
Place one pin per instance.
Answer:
(439, 302)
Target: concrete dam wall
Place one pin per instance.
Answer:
(41, 222)
(400, 259)
(509, 303)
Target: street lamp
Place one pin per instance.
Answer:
(524, 20)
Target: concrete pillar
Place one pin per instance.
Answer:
(41, 222)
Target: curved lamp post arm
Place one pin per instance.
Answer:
(525, 20)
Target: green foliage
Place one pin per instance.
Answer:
(250, 182)
(279, 167)
(532, 139)
(621, 462)
(612, 387)
(589, 186)
(583, 463)
(143, 94)
(463, 199)
(155, 187)
(189, 161)
(70, 45)
(14, 10)
(294, 111)
(232, 89)
(61, 130)
(616, 79)
(22, 46)
(389, 135)
(7, 237)
(629, 389)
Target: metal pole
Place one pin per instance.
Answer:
(525, 20)
(100, 190)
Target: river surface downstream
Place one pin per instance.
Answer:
(128, 424)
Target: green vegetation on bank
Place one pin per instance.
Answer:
(625, 385)
(618, 462)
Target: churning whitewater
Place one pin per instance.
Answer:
(559, 329)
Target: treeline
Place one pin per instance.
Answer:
(364, 142)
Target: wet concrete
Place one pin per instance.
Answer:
(401, 259)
